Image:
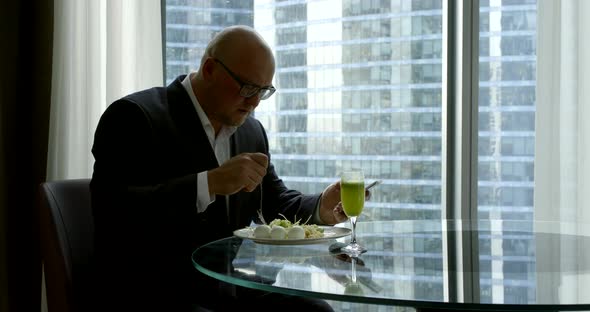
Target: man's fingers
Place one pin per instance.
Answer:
(256, 162)
(255, 179)
(242, 172)
(258, 171)
(260, 159)
(339, 214)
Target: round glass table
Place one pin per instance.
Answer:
(491, 265)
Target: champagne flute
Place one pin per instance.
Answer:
(352, 195)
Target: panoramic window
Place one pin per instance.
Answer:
(359, 85)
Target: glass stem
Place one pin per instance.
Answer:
(353, 223)
(353, 261)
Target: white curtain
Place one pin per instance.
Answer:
(562, 147)
(103, 50)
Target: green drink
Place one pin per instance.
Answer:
(352, 194)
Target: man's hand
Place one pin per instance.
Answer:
(241, 172)
(330, 207)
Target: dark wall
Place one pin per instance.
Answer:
(26, 29)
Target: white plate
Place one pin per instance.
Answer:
(330, 232)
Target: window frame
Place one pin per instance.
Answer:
(459, 147)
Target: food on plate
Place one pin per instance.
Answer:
(313, 231)
(281, 222)
(262, 231)
(285, 229)
(278, 232)
(296, 232)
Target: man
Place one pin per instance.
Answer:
(184, 165)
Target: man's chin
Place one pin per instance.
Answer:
(240, 121)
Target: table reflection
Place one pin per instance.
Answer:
(414, 263)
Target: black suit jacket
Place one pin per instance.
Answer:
(148, 149)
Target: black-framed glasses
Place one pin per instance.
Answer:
(249, 90)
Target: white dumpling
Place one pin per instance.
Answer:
(296, 232)
(278, 232)
(262, 231)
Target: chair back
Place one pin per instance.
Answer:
(67, 242)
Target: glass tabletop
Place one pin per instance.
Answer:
(517, 266)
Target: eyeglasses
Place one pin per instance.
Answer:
(249, 90)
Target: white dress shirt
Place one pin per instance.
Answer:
(220, 145)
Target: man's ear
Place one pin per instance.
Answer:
(207, 69)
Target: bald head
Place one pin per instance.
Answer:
(236, 58)
(238, 44)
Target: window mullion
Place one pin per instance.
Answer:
(460, 135)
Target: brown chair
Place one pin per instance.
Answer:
(67, 243)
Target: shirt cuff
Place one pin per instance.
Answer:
(315, 219)
(204, 199)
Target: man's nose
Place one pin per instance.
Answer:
(253, 100)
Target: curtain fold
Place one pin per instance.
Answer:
(103, 50)
(562, 143)
(562, 146)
